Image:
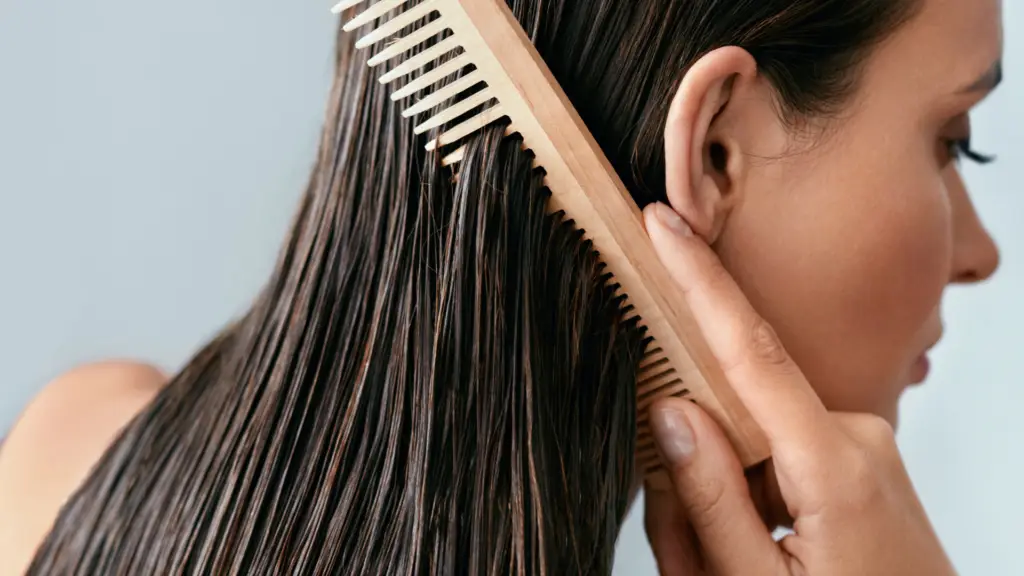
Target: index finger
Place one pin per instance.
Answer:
(757, 366)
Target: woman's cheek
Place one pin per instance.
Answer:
(906, 274)
(923, 246)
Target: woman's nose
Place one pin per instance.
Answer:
(975, 254)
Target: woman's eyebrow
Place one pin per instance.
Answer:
(988, 81)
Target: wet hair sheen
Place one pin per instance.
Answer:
(436, 378)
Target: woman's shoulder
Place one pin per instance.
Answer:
(55, 442)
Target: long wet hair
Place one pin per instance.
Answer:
(437, 377)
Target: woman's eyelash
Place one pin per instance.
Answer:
(961, 148)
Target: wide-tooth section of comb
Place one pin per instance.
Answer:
(454, 157)
(411, 41)
(420, 60)
(457, 156)
(454, 111)
(518, 86)
(345, 5)
(436, 98)
(396, 24)
(467, 127)
(428, 79)
(376, 10)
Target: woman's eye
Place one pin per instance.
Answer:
(959, 148)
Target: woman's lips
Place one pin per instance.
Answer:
(919, 372)
(922, 366)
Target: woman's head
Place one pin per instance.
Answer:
(846, 226)
(437, 379)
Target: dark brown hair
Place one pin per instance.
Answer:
(437, 378)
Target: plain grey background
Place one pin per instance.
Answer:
(151, 155)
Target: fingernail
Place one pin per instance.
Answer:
(672, 220)
(673, 434)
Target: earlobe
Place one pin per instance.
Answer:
(698, 155)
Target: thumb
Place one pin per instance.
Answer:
(709, 483)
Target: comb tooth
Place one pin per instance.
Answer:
(466, 128)
(420, 60)
(651, 463)
(653, 379)
(650, 362)
(394, 25)
(415, 39)
(650, 469)
(454, 111)
(629, 314)
(657, 478)
(644, 442)
(653, 386)
(655, 382)
(670, 378)
(652, 352)
(645, 446)
(654, 372)
(345, 5)
(649, 448)
(676, 388)
(372, 13)
(429, 78)
(454, 157)
(648, 460)
(435, 98)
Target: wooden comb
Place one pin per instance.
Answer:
(517, 85)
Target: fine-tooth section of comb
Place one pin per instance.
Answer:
(431, 45)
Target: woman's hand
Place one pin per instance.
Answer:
(838, 477)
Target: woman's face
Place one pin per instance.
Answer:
(847, 244)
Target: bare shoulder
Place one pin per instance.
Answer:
(55, 442)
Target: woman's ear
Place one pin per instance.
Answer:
(702, 148)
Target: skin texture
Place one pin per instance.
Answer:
(843, 236)
(866, 519)
(54, 443)
(846, 232)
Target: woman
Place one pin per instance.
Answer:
(416, 389)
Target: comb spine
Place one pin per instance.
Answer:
(574, 166)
